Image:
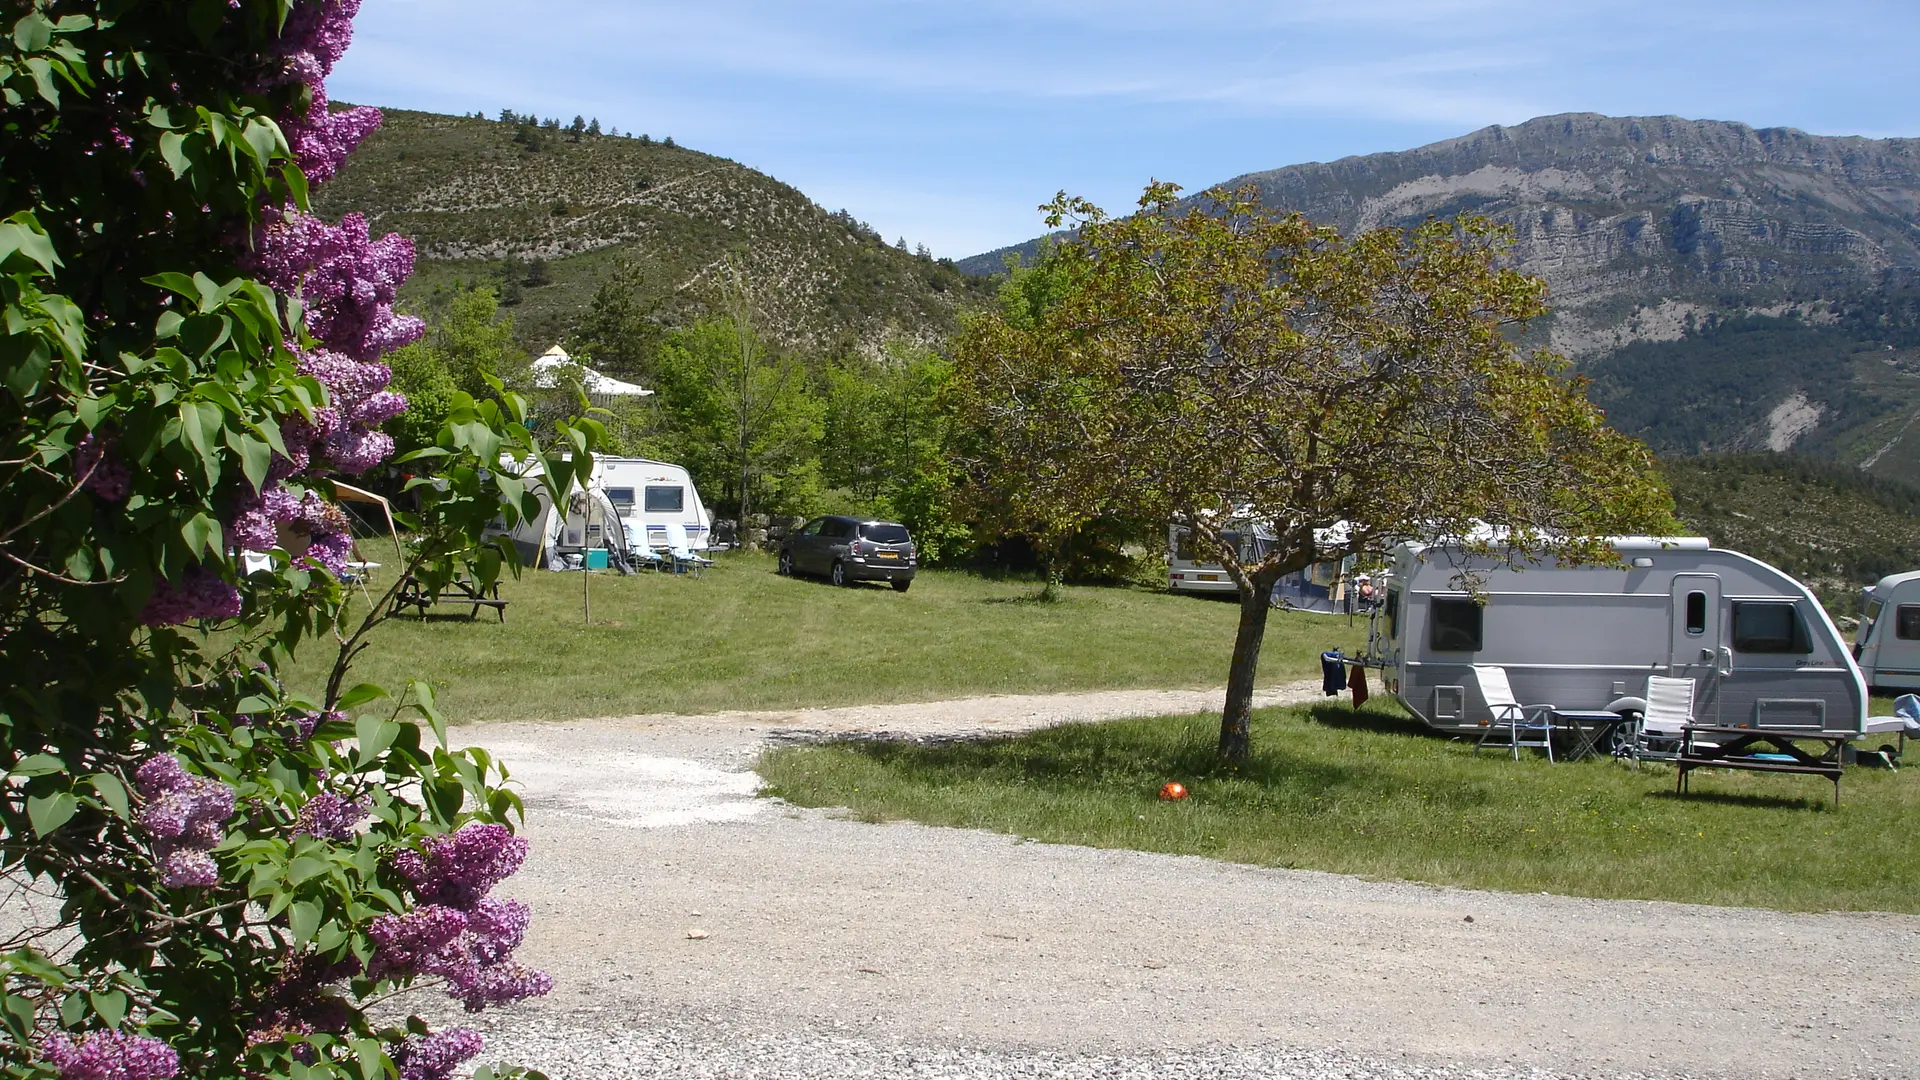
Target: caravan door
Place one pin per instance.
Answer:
(1696, 644)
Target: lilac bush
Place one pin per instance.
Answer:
(188, 360)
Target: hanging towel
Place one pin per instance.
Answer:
(1333, 672)
(1358, 681)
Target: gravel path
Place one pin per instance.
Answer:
(697, 931)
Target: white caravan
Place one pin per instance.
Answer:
(1889, 643)
(1760, 649)
(648, 495)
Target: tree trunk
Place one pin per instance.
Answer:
(1236, 719)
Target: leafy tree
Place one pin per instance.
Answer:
(469, 345)
(577, 129)
(1219, 362)
(188, 361)
(740, 416)
(668, 142)
(618, 330)
(593, 128)
(885, 440)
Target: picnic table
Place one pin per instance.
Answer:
(1734, 748)
(415, 594)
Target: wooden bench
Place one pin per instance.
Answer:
(1733, 748)
(414, 594)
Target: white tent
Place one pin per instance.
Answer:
(546, 377)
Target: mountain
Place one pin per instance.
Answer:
(1726, 287)
(552, 216)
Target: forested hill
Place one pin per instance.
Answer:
(551, 216)
(1728, 288)
(1831, 526)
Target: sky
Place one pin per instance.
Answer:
(948, 123)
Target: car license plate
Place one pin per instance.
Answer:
(888, 554)
(1209, 577)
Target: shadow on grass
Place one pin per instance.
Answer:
(1347, 718)
(1758, 802)
(1099, 754)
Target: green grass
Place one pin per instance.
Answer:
(1374, 793)
(741, 637)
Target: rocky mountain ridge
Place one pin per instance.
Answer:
(1654, 231)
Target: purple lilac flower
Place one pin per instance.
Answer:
(200, 594)
(303, 1000)
(113, 1055)
(186, 816)
(330, 552)
(457, 870)
(330, 817)
(106, 475)
(415, 942)
(435, 1056)
(188, 869)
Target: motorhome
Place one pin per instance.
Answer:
(1888, 646)
(648, 495)
(1323, 587)
(1761, 650)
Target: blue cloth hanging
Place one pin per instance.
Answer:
(1333, 672)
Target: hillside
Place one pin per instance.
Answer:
(554, 222)
(1728, 288)
(1830, 526)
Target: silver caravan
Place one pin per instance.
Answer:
(1889, 641)
(1760, 649)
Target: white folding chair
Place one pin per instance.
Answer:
(1525, 725)
(1662, 729)
(680, 549)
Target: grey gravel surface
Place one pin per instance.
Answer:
(695, 930)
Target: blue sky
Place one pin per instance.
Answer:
(948, 122)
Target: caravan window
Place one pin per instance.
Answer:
(1187, 548)
(1455, 625)
(1906, 623)
(1696, 613)
(662, 499)
(1769, 626)
(621, 498)
(1393, 614)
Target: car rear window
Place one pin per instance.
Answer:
(884, 534)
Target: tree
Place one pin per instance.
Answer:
(885, 440)
(190, 363)
(469, 344)
(593, 128)
(618, 330)
(740, 415)
(1218, 363)
(578, 128)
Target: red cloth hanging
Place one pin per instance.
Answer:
(1357, 682)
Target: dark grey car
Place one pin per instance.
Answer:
(850, 549)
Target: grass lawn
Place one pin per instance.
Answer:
(1374, 793)
(741, 637)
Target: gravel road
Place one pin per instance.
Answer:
(697, 931)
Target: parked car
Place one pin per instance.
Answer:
(850, 549)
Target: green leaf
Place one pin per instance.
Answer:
(73, 1009)
(111, 1005)
(256, 457)
(22, 233)
(374, 735)
(423, 694)
(305, 868)
(360, 695)
(113, 793)
(37, 765)
(303, 918)
(33, 33)
(202, 534)
(173, 150)
(49, 812)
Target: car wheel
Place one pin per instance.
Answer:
(903, 585)
(839, 573)
(785, 565)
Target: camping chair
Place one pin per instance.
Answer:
(680, 550)
(1517, 720)
(1662, 728)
